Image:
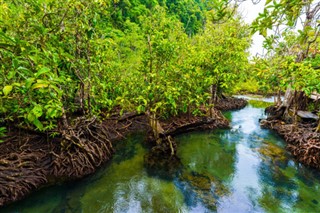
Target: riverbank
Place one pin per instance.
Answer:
(242, 169)
(302, 140)
(30, 160)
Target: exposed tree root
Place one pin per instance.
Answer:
(185, 123)
(29, 161)
(274, 112)
(230, 103)
(303, 141)
(84, 147)
(23, 169)
(181, 124)
(160, 156)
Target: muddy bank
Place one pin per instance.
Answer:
(30, 160)
(302, 140)
(230, 103)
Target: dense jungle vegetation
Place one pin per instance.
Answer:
(62, 57)
(59, 58)
(63, 60)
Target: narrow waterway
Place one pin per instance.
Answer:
(242, 169)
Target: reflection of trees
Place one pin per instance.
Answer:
(211, 153)
(277, 189)
(208, 161)
(202, 187)
(284, 185)
(125, 186)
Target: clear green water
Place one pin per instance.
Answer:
(244, 169)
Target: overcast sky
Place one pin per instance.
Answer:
(249, 12)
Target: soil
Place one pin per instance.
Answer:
(31, 160)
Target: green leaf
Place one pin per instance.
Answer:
(16, 84)
(3, 130)
(38, 124)
(31, 117)
(15, 63)
(268, 2)
(43, 70)
(23, 69)
(56, 89)
(11, 74)
(29, 82)
(37, 111)
(7, 90)
(50, 113)
(39, 85)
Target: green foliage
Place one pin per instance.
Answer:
(190, 13)
(293, 58)
(259, 104)
(47, 58)
(61, 57)
(285, 12)
(3, 130)
(246, 86)
(164, 82)
(278, 73)
(221, 51)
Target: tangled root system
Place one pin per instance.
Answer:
(303, 141)
(85, 146)
(187, 123)
(23, 168)
(230, 103)
(181, 124)
(30, 160)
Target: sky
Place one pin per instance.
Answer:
(249, 12)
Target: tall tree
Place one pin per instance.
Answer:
(281, 17)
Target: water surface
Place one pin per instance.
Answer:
(242, 169)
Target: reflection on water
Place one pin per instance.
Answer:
(243, 169)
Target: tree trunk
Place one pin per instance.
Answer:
(214, 95)
(293, 102)
(288, 97)
(89, 76)
(278, 98)
(295, 108)
(156, 127)
(159, 133)
(318, 127)
(81, 98)
(287, 103)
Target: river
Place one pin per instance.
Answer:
(242, 169)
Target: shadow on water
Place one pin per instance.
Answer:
(243, 169)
